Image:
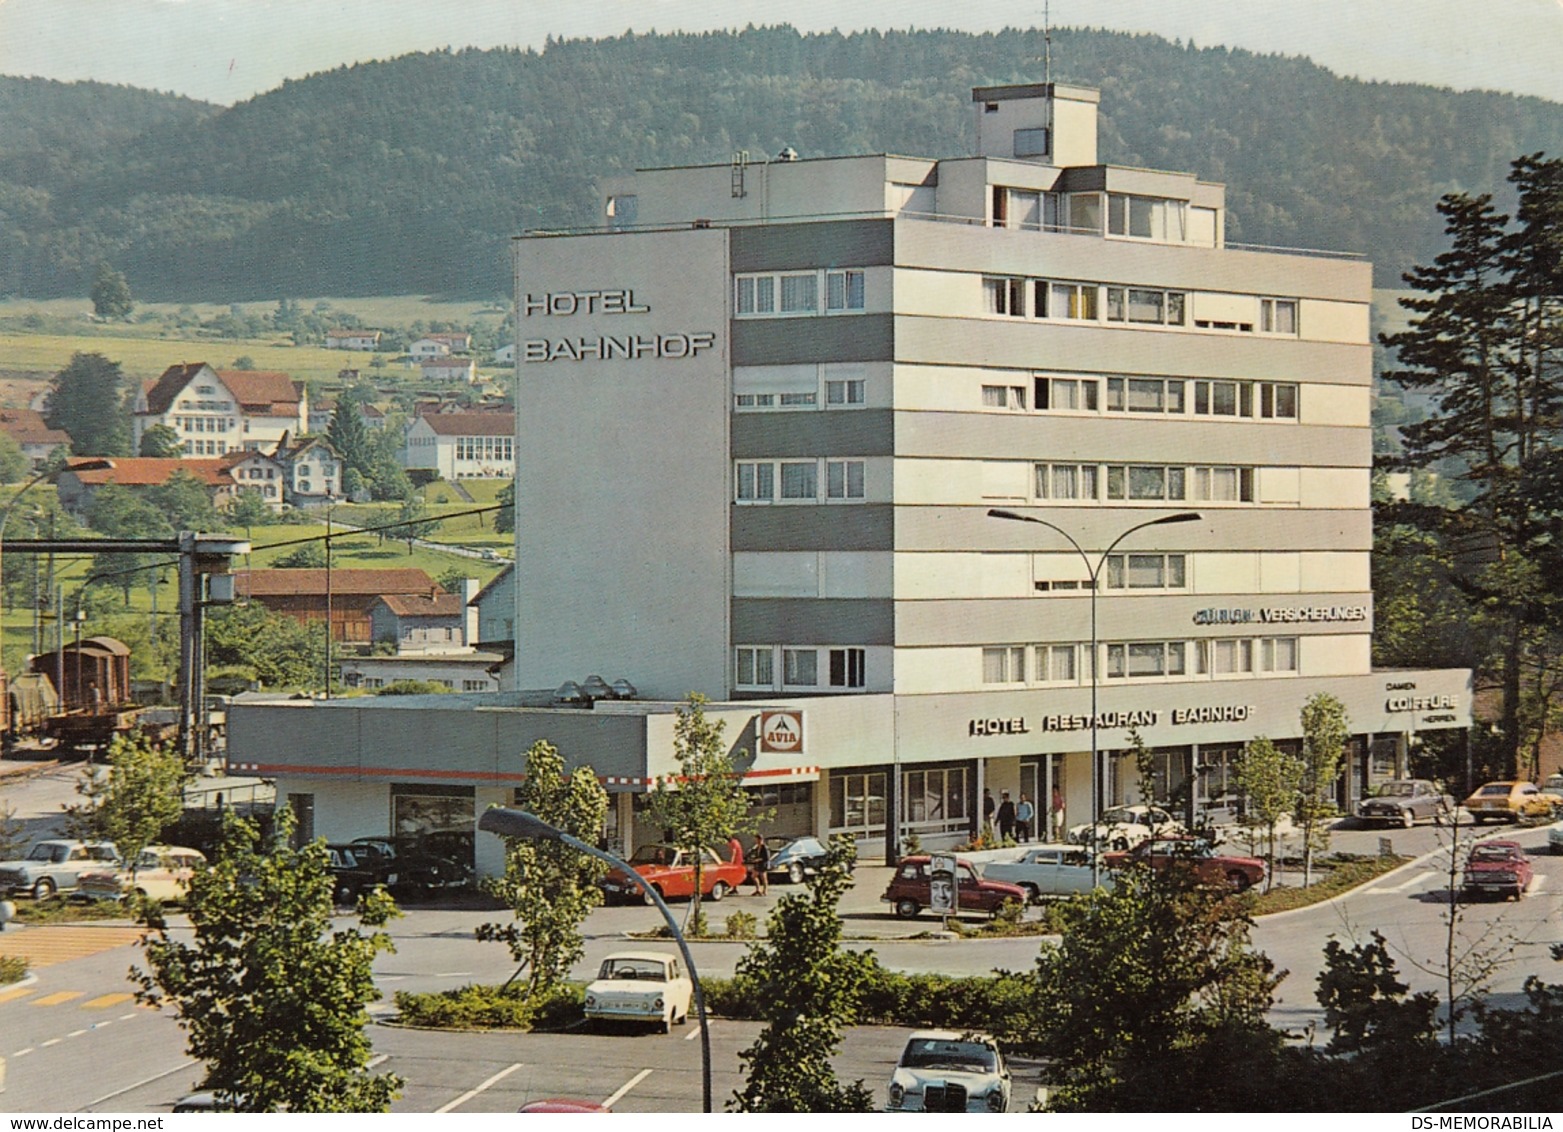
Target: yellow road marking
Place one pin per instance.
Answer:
(57, 997)
(16, 992)
(106, 1000)
(46, 945)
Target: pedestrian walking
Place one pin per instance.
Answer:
(987, 807)
(1023, 815)
(1058, 814)
(1006, 816)
(760, 865)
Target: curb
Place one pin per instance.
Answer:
(31, 770)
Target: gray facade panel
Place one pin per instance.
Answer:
(865, 527)
(1061, 347)
(791, 341)
(830, 243)
(1219, 529)
(862, 432)
(959, 247)
(1121, 616)
(1110, 439)
(800, 621)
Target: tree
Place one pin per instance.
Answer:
(161, 442)
(121, 512)
(141, 794)
(705, 803)
(14, 464)
(87, 400)
(279, 651)
(186, 502)
(271, 997)
(413, 688)
(249, 509)
(550, 887)
(505, 517)
(110, 293)
(809, 988)
(348, 436)
(310, 556)
(1325, 731)
(414, 522)
(1271, 780)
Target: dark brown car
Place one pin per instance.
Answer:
(909, 889)
(1197, 857)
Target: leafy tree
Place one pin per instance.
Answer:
(244, 362)
(414, 522)
(87, 400)
(14, 464)
(810, 988)
(249, 509)
(550, 887)
(505, 517)
(13, 833)
(271, 997)
(310, 556)
(186, 502)
(1325, 732)
(162, 442)
(704, 804)
(110, 293)
(279, 651)
(1271, 779)
(1364, 1000)
(141, 794)
(121, 512)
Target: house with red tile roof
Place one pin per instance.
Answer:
(83, 475)
(438, 345)
(37, 440)
(215, 412)
(306, 594)
(463, 445)
(345, 339)
(450, 368)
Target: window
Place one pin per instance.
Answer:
(1004, 397)
(756, 482)
(844, 479)
(1067, 300)
(1227, 657)
(1277, 400)
(756, 667)
(1147, 572)
(1085, 212)
(1056, 664)
(1278, 654)
(1066, 393)
(1144, 482)
(847, 668)
(1224, 398)
(800, 293)
(1004, 665)
(1146, 218)
(800, 668)
(1224, 485)
(1140, 659)
(844, 392)
(1006, 296)
(1066, 481)
(474, 685)
(843, 290)
(1145, 395)
(794, 400)
(1278, 316)
(1137, 304)
(800, 480)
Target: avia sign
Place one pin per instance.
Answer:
(781, 732)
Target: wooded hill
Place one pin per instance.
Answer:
(408, 176)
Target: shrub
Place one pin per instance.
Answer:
(13, 969)
(480, 1007)
(740, 925)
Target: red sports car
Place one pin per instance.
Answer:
(671, 871)
(1195, 855)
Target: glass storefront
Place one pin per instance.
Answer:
(857, 804)
(437, 819)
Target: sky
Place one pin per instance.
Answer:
(225, 51)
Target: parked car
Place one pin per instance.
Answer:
(671, 871)
(55, 866)
(1195, 856)
(1511, 800)
(909, 892)
(1555, 838)
(161, 872)
(1404, 802)
(796, 857)
(1124, 827)
(1500, 867)
(353, 873)
(947, 1071)
(1047, 870)
(640, 986)
(416, 871)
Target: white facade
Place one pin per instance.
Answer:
(462, 445)
(216, 412)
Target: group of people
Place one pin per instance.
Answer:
(1015, 821)
(757, 859)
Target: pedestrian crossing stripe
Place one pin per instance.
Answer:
(57, 997)
(16, 992)
(106, 1000)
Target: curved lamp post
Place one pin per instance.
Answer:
(1093, 572)
(530, 827)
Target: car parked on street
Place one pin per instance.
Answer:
(1047, 870)
(909, 889)
(161, 872)
(1511, 800)
(55, 866)
(947, 1071)
(796, 858)
(640, 986)
(1194, 857)
(1555, 838)
(1404, 802)
(1497, 867)
(671, 871)
(1124, 827)
(417, 872)
(353, 874)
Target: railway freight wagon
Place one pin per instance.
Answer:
(90, 682)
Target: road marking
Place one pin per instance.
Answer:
(15, 992)
(107, 1000)
(486, 1085)
(378, 1059)
(57, 997)
(127, 1017)
(51, 1042)
(138, 1084)
(23, 1052)
(1538, 884)
(75, 1033)
(626, 1087)
(453, 974)
(693, 1034)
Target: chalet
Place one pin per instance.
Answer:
(450, 368)
(214, 412)
(258, 471)
(341, 339)
(37, 440)
(439, 345)
(313, 471)
(463, 445)
(418, 623)
(349, 594)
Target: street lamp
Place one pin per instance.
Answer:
(530, 827)
(1093, 572)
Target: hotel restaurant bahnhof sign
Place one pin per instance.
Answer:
(606, 347)
(1109, 720)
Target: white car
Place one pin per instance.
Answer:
(1047, 870)
(162, 872)
(947, 1071)
(1124, 827)
(648, 986)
